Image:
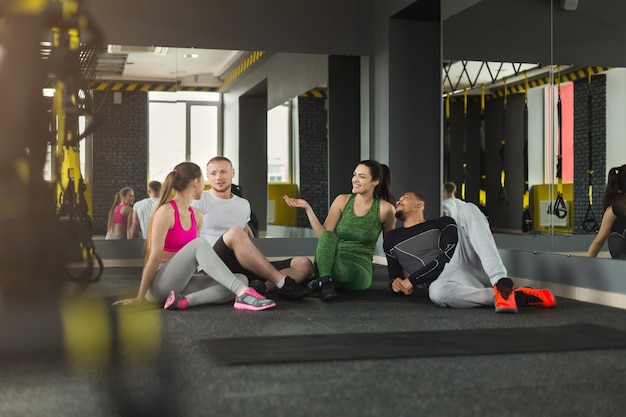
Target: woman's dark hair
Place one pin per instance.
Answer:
(619, 205)
(382, 173)
(615, 184)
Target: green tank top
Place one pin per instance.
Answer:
(358, 235)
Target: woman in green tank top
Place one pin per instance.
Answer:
(347, 239)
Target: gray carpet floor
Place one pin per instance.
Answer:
(174, 375)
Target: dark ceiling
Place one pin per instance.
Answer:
(494, 30)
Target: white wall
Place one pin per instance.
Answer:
(615, 118)
(536, 136)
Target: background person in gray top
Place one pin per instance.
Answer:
(143, 210)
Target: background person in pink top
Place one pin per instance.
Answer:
(121, 214)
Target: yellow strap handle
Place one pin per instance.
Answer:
(482, 97)
(526, 198)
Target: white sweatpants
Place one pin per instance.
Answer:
(468, 279)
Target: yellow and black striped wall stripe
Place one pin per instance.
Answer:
(168, 87)
(241, 68)
(573, 75)
(563, 77)
(315, 93)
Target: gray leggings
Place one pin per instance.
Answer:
(219, 286)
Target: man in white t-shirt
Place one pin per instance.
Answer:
(143, 211)
(222, 210)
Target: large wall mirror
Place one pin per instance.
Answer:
(162, 105)
(520, 120)
(530, 129)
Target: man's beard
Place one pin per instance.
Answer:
(399, 215)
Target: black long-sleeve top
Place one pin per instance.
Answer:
(421, 250)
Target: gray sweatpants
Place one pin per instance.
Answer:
(218, 286)
(468, 279)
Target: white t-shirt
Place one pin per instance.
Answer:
(144, 209)
(220, 214)
(450, 206)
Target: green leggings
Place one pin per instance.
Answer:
(348, 271)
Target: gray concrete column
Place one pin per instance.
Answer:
(252, 166)
(344, 123)
(415, 110)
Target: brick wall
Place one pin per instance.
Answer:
(120, 146)
(582, 89)
(313, 133)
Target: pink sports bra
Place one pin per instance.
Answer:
(118, 217)
(177, 237)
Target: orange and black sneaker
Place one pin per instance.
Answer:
(504, 297)
(527, 296)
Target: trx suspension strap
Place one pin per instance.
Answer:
(482, 194)
(503, 198)
(590, 223)
(464, 144)
(447, 139)
(72, 211)
(559, 209)
(527, 223)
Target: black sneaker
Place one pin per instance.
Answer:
(292, 290)
(258, 285)
(327, 289)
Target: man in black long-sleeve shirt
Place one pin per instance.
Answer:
(456, 259)
(417, 252)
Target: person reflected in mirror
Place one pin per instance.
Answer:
(449, 202)
(617, 236)
(615, 185)
(174, 250)
(459, 271)
(121, 215)
(348, 236)
(225, 212)
(142, 210)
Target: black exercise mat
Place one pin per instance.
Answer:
(330, 347)
(377, 294)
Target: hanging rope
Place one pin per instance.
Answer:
(590, 223)
(447, 139)
(464, 144)
(559, 209)
(482, 194)
(503, 198)
(527, 223)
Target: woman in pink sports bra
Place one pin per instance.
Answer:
(174, 250)
(121, 215)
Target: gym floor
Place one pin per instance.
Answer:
(183, 379)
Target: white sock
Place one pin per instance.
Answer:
(281, 283)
